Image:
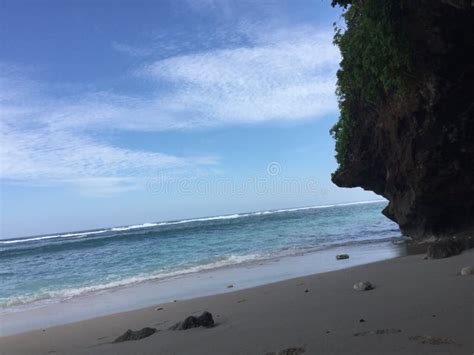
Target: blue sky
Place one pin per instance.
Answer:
(125, 112)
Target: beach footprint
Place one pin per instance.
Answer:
(289, 351)
(379, 332)
(431, 340)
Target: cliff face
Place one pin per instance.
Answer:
(418, 152)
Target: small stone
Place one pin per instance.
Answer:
(363, 286)
(135, 335)
(361, 320)
(342, 256)
(306, 291)
(468, 270)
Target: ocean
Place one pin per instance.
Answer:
(53, 268)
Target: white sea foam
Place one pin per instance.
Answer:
(326, 206)
(191, 220)
(80, 234)
(204, 219)
(45, 296)
(233, 216)
(135, 226)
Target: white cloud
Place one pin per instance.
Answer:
(288, 81)
(46, 141)
(286, 75)
(291, 77)
(61, 155)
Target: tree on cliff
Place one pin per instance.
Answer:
(375, 61)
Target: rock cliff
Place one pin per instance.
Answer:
(417, 150)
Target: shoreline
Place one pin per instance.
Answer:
(399, 243)
(252, 273)
(407, 312)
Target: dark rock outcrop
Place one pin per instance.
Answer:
(135, 335)
(418, 152)
(445, 248)
(204, 320)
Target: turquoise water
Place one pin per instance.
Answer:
(57, 267)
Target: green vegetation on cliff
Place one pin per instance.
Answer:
(375, 62)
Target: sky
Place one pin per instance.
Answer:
(126, 112)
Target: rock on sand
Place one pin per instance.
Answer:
(204, 320)
(363, 286)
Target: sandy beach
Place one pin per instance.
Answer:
(417, 307)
